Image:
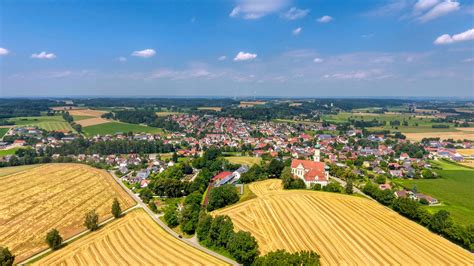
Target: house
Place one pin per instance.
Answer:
(429, 199)
(311, 172)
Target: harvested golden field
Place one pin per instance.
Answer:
(247, 160)
(132, 240)
(87, 112)
(217, 109)
(344, 230)
(92, 121)
(458, 134)
(465, 152)
(34, 201)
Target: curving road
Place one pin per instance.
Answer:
(192, 242)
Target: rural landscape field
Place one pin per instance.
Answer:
(135, 239)
(35, 200)
(344, 230)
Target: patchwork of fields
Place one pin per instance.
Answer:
(342, 229)
(35, 200)
(134, 239)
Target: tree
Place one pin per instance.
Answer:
(282, 257)
(440, 221)
(222, 196)
(175, 157)
(6, 257)
(203, 226)
(275, 167)
(243, 247)
(349, 188)
(190, 213)
(91, 220)
(220, 231)
(171, 215)
(152, 206)
(146, 195)
(54, 239)
(116, 209)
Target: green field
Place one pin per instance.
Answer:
(8, 152)
(247, 160)
(117, 127)
(3, 131)
(415, 124)
(454, 189)
(49, 123)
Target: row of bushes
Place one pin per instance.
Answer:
(439, 222)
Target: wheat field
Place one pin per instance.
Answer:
(34, 201)
(344, 230)
(134, 239)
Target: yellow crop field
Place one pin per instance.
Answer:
(131, 240)
(344, 230)
(36, 200)
(247, 160)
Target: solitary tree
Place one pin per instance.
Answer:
(6, 257)
(116, 210)
(91, 220)
(349, 187)
(54, 239)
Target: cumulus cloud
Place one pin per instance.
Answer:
(222, 58)
(144, 53)
(251, 9)
(243, 56)
(43, 55)
(318, 60)
(440, 10)
(295, 13)
(461, 37)
(3, 51)
(325, 19)
(297, 31)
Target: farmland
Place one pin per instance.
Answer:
(35, 200)
(115, 127)
(247, 160)
(217, 109)
(9, 151)
(49, 123)
(453, 189)
(3, 131)
(133, 240)
(342, 229)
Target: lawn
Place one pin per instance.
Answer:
(8, 152)
(117, 127)
(247, 160)
(454, 189)
(49, 123)
(3, 131)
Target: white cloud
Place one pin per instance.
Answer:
(468, 60)
(295, 13)
(440, 10)
(3, 51)
(461, 37)
(325, 19)
(242, 56)
(222, 58)
(43, 55)
(423, 5)
(318, 60)
(122, 59)
(297, 31)
(252, 9)
(144, 53)
(371, 74)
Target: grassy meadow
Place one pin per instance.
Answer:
(49, 123)
(3, 131)
(116, 127)
(454, 189)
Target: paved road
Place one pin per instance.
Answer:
(74, 237)
(192, 242)
(343, 183)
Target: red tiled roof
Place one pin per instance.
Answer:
(314, 170)
(221, 175)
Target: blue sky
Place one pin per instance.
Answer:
(237, 48)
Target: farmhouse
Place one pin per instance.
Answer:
(311, 172)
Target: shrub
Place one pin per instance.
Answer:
(54, 239)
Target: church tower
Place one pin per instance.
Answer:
(317, 153)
